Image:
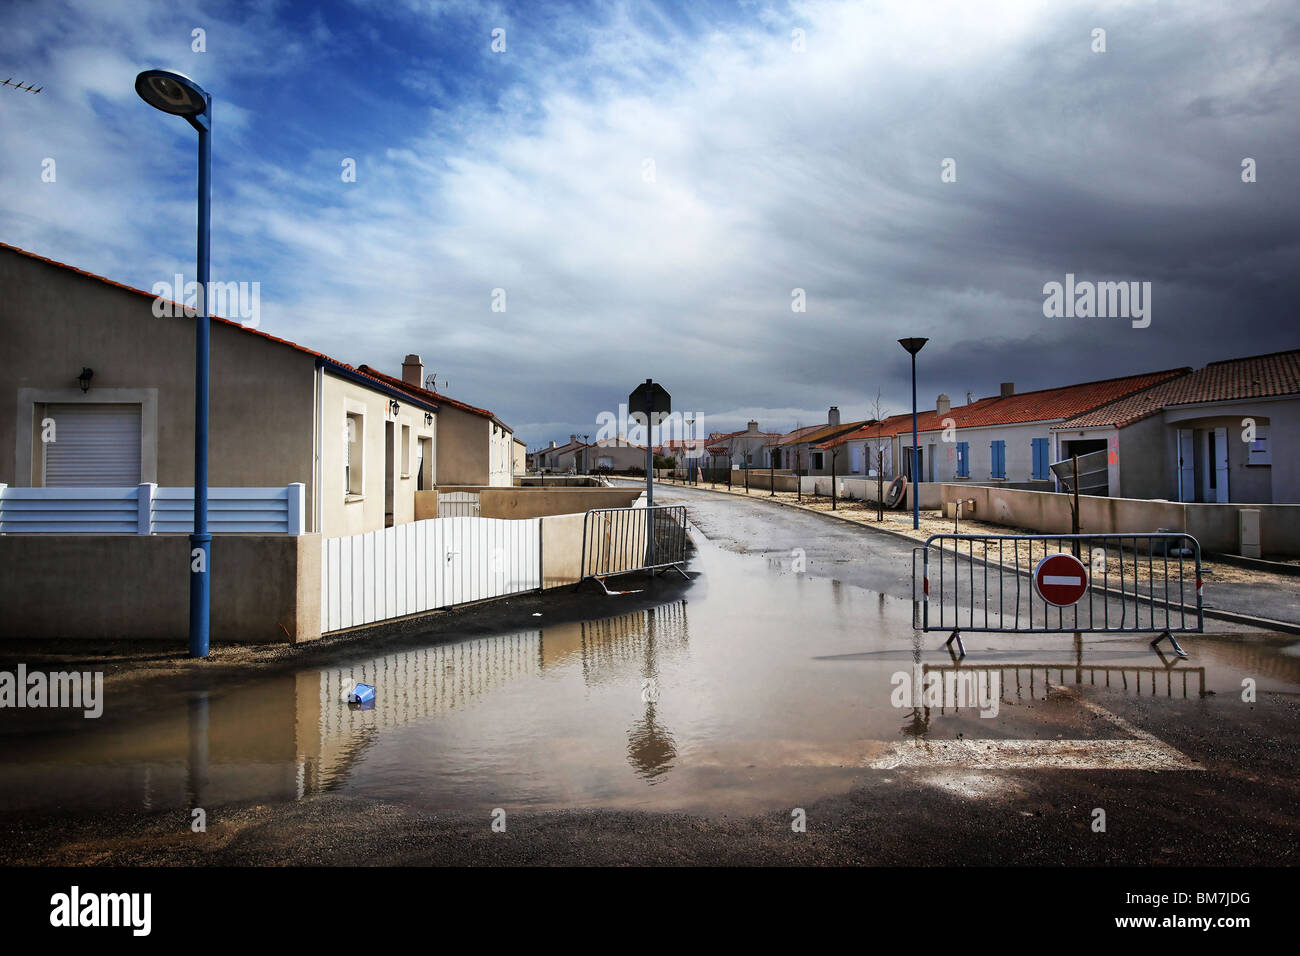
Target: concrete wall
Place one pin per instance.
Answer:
(1213, 525)
(519, 462)
(864, 489)
(561, 550)
(762, 479)
(265, 588)
(53, 322)
(520, 503)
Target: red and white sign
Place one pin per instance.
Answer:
(1060, 579)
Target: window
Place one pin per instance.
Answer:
(963, 459)
(1259, 451)
(999, 449)
(406, 451)
(1040, 458)
(817, 459)
(91, 445)
(353, 454)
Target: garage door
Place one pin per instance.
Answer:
(95, 446)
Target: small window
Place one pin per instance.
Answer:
(353, 454)
(406, 451)
(817, 459)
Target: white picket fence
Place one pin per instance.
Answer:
(148, 509)
(424, 565)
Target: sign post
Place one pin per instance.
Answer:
(651, 402)
(1061, 579)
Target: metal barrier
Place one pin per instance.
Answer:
(993, 595)
(622, 540)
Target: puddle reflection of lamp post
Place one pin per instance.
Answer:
(913, 346)
(177, 94)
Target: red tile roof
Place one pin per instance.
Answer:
(421, 392)
(1255, 376)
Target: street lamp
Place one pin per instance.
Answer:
(177, 94)
(913, 346)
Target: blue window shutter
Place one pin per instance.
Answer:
(1040, 457)
(999, 459)
(963, 459)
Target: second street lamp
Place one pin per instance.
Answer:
(913, 346)
(177, 94)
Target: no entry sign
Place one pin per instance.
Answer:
(1060, 579)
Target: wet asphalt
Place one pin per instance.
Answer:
(1238, 806)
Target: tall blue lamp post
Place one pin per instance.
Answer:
(177, 94)
(913, 346)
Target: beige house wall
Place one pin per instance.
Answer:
(54, 322)
(343, 513)
(519, 461)
(464, 447)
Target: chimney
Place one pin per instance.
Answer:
(751, 427)
(944, 405)
(413, 370)
(572, 439)
(1008, 389)
(833, 416)
(553, 445)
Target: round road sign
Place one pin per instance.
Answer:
(1060, 579)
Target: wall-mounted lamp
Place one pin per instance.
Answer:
(393, 406)
(428, 418)
(84, 378)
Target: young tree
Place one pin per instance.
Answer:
(875, 448)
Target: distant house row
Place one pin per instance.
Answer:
(1227, 432)
(98, 391)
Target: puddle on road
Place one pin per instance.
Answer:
(760, 688)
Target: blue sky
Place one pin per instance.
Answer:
(775, 168)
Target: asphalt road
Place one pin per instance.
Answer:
(1231, 797)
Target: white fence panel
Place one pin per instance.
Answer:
(425, 565)
(148, 509)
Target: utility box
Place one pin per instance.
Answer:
(1248, 533)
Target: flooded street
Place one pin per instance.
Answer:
(755, 688)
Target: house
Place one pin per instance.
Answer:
(1006, 437)
(614, 454)
(563, 459)
(474, 446)
(739, 449)
(1224, 433)
(808, 450)
(99, 392)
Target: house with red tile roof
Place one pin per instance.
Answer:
(474, 447)
(562, 459)
(808, 450)
(114, 375)
(1225, 433)
(738, 449)
(1003, 438)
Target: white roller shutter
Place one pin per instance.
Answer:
(95, 446)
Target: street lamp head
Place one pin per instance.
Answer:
(172, 92)
(912, 345)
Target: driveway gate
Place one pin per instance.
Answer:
(1001, 583)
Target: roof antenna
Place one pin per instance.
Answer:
(431, 382)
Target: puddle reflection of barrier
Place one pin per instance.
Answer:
(622, 540)
(637, 638)
(997, 591)
(1172, 681)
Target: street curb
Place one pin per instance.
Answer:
(1232, 617)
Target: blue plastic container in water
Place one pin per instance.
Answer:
(362, 694)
